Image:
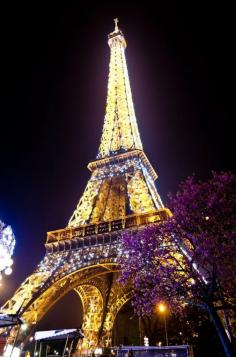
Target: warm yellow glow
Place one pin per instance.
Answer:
(162, 307)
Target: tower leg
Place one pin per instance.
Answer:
(101, 303)
(118, 296)
(92, 301)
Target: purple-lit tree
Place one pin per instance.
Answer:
(190, 258)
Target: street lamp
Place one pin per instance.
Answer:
(140, 330)
(162, 309)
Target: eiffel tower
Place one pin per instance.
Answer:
(120, 195)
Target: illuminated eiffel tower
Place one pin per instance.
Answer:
(120, 195)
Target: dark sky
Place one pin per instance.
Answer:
(54, 77)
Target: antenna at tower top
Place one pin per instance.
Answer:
(116, 24)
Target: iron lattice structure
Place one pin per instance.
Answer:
(120, 195)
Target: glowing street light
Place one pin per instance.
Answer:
(146, 341)
(163, 309)
(8, 271)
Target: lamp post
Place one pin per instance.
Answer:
(162, 309)
(140, 331)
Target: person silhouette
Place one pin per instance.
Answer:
(131, 353)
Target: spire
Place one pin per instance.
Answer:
(120, 130)
(116, 24)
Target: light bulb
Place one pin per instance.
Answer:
(8, 271)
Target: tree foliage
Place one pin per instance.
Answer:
(189, 258)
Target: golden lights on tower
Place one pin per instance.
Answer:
(119, 195)
(120, 130)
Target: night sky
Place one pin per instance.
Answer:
(54, 76)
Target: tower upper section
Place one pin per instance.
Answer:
(122, 181)
(120, 131)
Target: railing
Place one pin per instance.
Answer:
(107, 227)
(153, 351)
